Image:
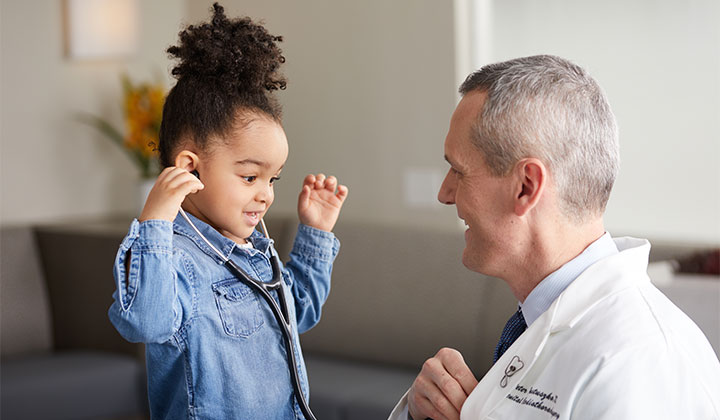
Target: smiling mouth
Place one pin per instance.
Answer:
(463, 224)
(253, 216)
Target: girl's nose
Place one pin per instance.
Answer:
(265, 194)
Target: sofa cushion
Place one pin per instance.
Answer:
(24, 307)
(78, 271)
(345, 390)
(399, 295)
(71, 385)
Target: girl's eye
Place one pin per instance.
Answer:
(273, 179)
(249, 178)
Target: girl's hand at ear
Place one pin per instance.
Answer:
(319, 203)
(168, 193)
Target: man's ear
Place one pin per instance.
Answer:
(187, 160)
(531, 176)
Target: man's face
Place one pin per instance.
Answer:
(483, 201)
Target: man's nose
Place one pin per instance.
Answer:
(446, 195)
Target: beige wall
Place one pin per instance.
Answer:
(371, 84)
(659, 62)
(52, 167)
(371, 90)
(370, 93)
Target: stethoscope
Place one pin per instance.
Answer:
(281, 313)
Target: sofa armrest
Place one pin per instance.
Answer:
(77, 263)
(24, 305)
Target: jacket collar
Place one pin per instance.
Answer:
(224, 245)
(605, 277)
(623, 270)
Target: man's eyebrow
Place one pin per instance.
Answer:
(450, 161)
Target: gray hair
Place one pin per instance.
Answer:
(551, 109)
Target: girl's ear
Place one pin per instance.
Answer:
(187, 160)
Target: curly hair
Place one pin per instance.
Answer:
(228, 73)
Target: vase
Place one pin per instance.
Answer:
(144, 186)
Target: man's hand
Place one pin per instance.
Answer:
(168, 193)
(319, 204)
(441, 388)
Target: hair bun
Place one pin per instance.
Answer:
(234, 54)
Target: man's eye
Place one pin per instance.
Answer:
(249, 178)
(273, 179)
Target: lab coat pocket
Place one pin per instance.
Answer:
(238, 307)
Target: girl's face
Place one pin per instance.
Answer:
(238, 174)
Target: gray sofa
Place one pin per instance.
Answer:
(398, 295)
(46, 373)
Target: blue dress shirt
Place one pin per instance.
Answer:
(545, 293)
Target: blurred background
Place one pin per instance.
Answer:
(371, 88)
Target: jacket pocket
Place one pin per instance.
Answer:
(239, 308)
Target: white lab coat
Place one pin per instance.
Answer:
(610, 347)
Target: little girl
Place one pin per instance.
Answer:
(214, 349)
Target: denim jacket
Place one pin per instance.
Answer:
(213, 347)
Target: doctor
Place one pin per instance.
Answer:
(533, 154)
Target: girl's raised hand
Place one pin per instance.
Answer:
(168, 193)
(320, 201)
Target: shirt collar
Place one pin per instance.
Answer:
(220, 242)
(545, 293)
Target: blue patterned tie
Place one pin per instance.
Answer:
(513, 329)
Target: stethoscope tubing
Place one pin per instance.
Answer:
(281, 314)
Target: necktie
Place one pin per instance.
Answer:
(513, 329)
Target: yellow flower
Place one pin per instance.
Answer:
(142, 108)
(143, 105)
